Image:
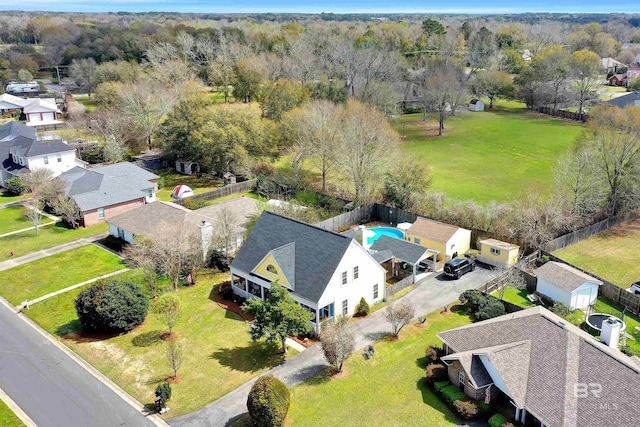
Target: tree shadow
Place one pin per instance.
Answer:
(156, 380)
(253, 358)
(429, 397)
(72, 327)
(147, 339)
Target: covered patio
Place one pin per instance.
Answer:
(399, 254)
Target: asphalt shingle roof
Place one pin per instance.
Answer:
(434, 230)
(564, 275)
(401, 249)
(632, 98)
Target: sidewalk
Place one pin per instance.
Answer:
(22, 230)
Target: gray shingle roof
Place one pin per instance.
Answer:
(285, 256)
(564, 275)
(473, 366)
(401, 249)
(632, 98)
(13, 129)
(244, 208)
(559, 356)
(21, 140)
(382, 256)
(317, 251)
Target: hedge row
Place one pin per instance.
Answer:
(465, 408)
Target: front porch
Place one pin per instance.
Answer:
(504, 405)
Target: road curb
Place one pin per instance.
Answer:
(16, 409)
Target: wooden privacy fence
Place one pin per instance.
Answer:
(563, 114)
(398, 286)
(227, 190)
(348, 219)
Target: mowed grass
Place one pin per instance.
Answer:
(7, 417)
(12, 219)
(40, 277)
(387, 390)
(219, 354)
(6, 197)
(171, 178)
(491, 155)
(612, 255)
(50, 236)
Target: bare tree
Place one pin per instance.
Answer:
(338, 341)
(174, 353)
(140, 254)
(512, 278)
(579, 182)
(68, 209)
(167, 309)
(399, 314)
(33, 210)
(226, 226)
(442, 94)
(83, 72)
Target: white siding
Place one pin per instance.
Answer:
(460, 242)
(67, 161)
(115, 232)
(553, 291)
(584, 296)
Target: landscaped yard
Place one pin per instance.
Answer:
(51, 235)
(170, 178)
(218, 357)
(12, 219)
(388, 389)
(40, 277)
(491, 155)
(8, 418)
(6, 197)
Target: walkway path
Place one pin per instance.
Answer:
(429, 295)
(14, 262)
(22, 230)
(10, 204)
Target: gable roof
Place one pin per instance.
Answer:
(401, 249)
(316, 256)
(560, 355)
(14, 129)
(243, 208)
(146, 218)
(499, 244)
(564, 276)
(433, 230)
(632, 98)
(39, 105)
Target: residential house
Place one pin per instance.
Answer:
(610, 65)
(234, 214)
(449, 240)
(37, 111)
(567, 285)
(327, 273)
(103, 192)
(632, 98)
(618, 80)
(549, 372)
(498, 253)
(21, 151)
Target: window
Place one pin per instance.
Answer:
(21, 161)
(495, 251)
(59, 157)
(355, 272)
(100, 213)
(46, 160)
(416, 240)
(461, 378)
(150, 193)
(345, 307)
(344, 278)
(375, 291)
(272, 269)
(121, 233)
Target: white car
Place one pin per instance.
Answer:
(635, 288)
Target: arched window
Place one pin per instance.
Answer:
(272, 269)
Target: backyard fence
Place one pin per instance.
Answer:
(227, 190)
(563, 114)
(398, 286)
(343, 221)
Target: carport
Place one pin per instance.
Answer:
(388, 248)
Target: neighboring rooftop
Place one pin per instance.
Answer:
(632, 98)
(402, 250)
(146, 218)
(564, 275)
(433, 230)
(243, 209)
(499, 244)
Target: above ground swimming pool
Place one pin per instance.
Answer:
(387, 231)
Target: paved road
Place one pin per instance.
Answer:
(50, 386)
(431, 293)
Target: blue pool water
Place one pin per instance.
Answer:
(387, 231)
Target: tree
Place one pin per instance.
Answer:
(338, 341)
(512, 278)
(83, 71)
(481, 49)
(174, 353)
(248, 77)
(553, 64)
(579, 182)
(24, 76)
(15, 186)
(404, 181)
(634, 84)
(493, 85)
(277, 317)
(33, 206)
(362, 309)
(68, 209)
(226, 226)
(276, 98)
(442, 94)
(432, 27)
(163, 395)
(586, 69)
(268, 402)
(399, 314)
(167, 309)
(140, 253)
(112, 306)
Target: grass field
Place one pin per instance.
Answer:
(219, 354)
(52, 235)
(12, 219)
(40, 277)
(492, 155)
(612, 255)
(388, 388)
(6, 197)
(8, 418)
(170, 178)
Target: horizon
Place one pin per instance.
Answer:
(463, 7)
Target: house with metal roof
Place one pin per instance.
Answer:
(567, 285)
(544, 371)
(106, 191)
(450, 241)
(326, 272)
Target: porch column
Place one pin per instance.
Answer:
(414, 272)
(317, 318)
(517, 417)
(524, 415)
(246, 288)
(261, 292)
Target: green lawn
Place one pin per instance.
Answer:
(6, 197)
(219, 354)
(492, 155)
(89, 103)
(7, 417)
(40, 277)
(516, 296)
(51, 235)
(387, 390)
(611, 255)
(12, 219)
(170, 178)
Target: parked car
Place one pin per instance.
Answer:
(635, 288)
(458, 267)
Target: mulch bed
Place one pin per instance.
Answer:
(231, 306)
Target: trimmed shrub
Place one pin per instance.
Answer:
(362, 309)
(439, 386)
(435, 372)
(164, 391)
(112, 306)
(492, 308)
(452, 393)
(268, 402)
(15, 186)
(466, 409)
(498, 420)
(193, 203)
(433, 353)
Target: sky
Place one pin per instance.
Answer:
(317, 6)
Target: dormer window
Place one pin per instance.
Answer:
(272, 269)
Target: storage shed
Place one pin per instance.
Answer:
(498, 253)
(476, 105)
(567, 285)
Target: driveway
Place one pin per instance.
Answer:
(430, 294)
(51, 387)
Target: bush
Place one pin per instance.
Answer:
(164, 391)
(490, 309)
(543, 260)
(473, 298)
(15, 186)
(268, 402)
(439, 386)
(433, 353)
(362, 309)
(498, 420)
(560, 309)
(466, 409)
(226, 291)
(193, 203)
(112, 306)
(435, 372)
(452, 393)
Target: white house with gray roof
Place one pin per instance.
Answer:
(567, 285)
(326, 272)
(548, 371)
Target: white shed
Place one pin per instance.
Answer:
(187, 167)
(565, 284)
(476, 105)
